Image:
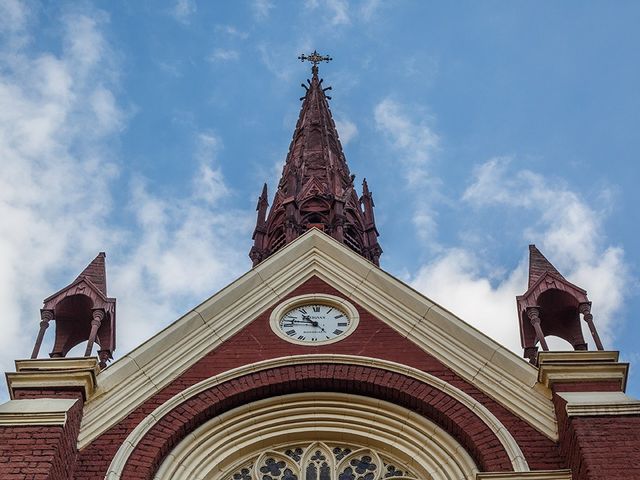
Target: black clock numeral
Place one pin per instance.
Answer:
(342, 324)
(339, 316)
(301, 337)
(302, 310)
(287, 324)
(329, 311)
(290, 332)
(316, 308)
(314, 339)
(337, 331)
(327, 337)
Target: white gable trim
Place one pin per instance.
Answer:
(137, 376)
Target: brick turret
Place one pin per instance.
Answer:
(82, 312)
(552, 306)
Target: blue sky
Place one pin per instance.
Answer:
(147, 128)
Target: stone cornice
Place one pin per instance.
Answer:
(580, 404)
(592, 356)
(54, 373)
(35, 412)
(577, 367)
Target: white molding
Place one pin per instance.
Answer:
(323, 298)
(54, 373)
(510, 445)
(502, 375)
(566, 372)
(599, 404)
(35, 412)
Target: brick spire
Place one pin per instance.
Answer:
(539, 265)
(316, 188)
(96, 272)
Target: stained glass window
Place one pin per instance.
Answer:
(320, 461)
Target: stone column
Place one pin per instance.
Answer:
(585, 310)
(534, 317)
(45, 317)
(98, 316)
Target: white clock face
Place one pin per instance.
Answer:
(314, 323)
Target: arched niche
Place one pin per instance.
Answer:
(73, 322)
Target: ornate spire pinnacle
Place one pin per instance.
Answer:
(316, 188)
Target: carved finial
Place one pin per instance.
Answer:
(315, 58)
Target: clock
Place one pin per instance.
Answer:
(314, 319)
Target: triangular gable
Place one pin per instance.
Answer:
(80, 285)
(313, 187)
(550, 277)
(493, 369)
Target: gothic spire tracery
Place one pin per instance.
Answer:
(316, 188)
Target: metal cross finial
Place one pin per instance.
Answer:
(315, 58)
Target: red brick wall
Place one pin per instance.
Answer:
(40, 452)
(600, 448)
(257, 342)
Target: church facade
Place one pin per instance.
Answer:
(318, 365)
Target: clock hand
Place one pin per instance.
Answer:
(304, 322)
(307, 318)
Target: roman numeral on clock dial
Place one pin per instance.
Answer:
(314, 323)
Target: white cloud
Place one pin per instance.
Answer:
(414, 139)
(223, 55)
(183, 10)
(564, 226)
(416, 145)
(59, 115)
(262, 9)
(369, 9)
(209, 184)
(181, 251)
(277, 59)
(456, 281)
(232, 31)
(56, 113)
(336, 11)
(14, 16)
(347, 130)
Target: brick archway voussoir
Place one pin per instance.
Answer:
(427, 400)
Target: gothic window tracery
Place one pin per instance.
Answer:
(320, 461)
